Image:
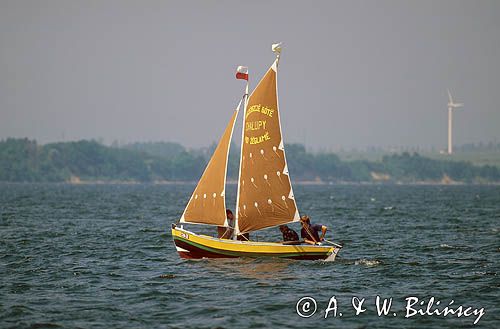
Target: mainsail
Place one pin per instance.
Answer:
(265, 195)
(207, 205)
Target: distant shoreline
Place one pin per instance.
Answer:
(296, 183)
(88, 162)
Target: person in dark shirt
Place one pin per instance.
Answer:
(309, 232)
(288, 234)
(226, 232)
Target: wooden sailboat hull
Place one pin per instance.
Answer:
(194, 246)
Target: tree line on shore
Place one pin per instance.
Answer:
(24, 160)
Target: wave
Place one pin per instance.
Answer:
(367, 262)
(447, 246)
(44, 325)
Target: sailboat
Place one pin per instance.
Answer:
(264, 195)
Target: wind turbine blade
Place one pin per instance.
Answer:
(459, 104)
(449, 96)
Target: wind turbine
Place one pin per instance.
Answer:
(451, 107)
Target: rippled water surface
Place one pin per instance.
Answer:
(101, 256)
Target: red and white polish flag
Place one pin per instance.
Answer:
(242, 73)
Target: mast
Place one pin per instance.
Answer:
(236, 226)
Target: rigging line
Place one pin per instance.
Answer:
(333, 243)
(224, 235)
(243, 235)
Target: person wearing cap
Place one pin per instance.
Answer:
(310, 232)
(289, 235)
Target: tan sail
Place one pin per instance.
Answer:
(208, 204)
(265, 196)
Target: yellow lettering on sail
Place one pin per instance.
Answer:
(260, 139)
(260, 109)
(267, 111)
(255, 125)
(252, 109)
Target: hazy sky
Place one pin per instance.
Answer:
(352, 74)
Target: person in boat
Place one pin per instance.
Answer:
(310, 233)
(289, 235)
(226, 232)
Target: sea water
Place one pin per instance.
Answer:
(101, 256)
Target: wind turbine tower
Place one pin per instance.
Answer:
(451, 107)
